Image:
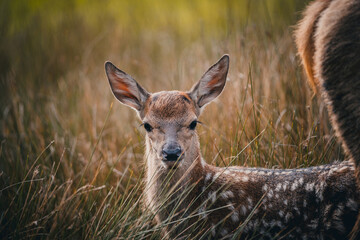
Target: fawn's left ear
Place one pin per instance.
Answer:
(211, 83)
(125, 88)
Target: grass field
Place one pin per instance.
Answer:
(71, 156)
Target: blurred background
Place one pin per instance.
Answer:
(71, 155)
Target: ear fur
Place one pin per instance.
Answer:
(125, 88)
(211, 83)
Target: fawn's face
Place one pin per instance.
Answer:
(170, 117)
(170, 120)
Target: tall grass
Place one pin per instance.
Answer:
(71, 157)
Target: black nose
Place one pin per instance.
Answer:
(171, 152)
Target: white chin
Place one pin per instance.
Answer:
(171, 165)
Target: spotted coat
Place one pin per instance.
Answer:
(308, 203)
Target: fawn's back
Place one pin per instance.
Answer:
(308, 203)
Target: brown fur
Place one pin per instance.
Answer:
(334, 49)
(159, 106)
(304, 36)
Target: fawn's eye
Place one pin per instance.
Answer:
(192, 125)
(148, 127)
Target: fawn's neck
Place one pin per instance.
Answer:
(162, 182)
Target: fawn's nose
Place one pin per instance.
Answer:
(171, 151)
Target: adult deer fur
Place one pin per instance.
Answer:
(191, 198)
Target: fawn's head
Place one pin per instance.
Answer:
(170, 117)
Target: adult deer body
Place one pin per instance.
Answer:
(191, 198)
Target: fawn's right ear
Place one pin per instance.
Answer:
(211, 83)
(125, 88)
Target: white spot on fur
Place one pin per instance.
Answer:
(313, 224)
(227, 194)
(201, 212)
(274, 223)
(245, 178)
(301, 181)
(332, 171)
(235, 217)
(294, 185)
(223, 232)
(216, 176)
(281, 213)
(279, 224)
(342, 169)
(207, 177)
(309, 187)
(243, 210)
(288, 216)
(212, 196)
(286, 183)
(319, 190)
(230, 206)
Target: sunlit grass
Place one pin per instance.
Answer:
(71, 157)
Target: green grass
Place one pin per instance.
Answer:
(71, 157)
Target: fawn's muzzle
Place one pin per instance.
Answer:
(172, 152)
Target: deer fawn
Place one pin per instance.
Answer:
(191, 198)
